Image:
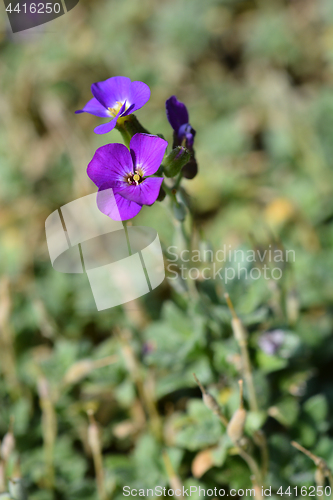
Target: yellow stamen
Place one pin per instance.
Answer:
(136, 177)
(115, 110)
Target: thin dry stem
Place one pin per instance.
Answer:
(174, 480)
(146, 396)
(306, 452)
(95, 446)
(230, 305)
(319, 462)
(241, 399)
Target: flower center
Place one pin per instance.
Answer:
(134, 179)
(115, 110)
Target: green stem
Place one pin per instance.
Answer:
(253, 466)
(178, 180)
(127, 238)
(128, 126)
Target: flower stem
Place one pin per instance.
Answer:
(96, 449)
(241, 338)
(212, 404)
(178, 180)
(128, 126)
(127, 238)
(252, 464)
(319, 462)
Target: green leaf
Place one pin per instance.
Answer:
(286, 411)
(317, 407)
(254, 421)
(200, 429)
(269, 363)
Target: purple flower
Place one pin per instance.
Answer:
(126, 173)
(179, 120)
(270, 342)
(114, 98)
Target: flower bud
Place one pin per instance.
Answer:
(175, 161)
(190, 170)
(162, 195)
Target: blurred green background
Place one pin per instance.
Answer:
(257, 78)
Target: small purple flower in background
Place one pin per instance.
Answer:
(179, 120)
(270, 342)
(114, 98)
(126, 172)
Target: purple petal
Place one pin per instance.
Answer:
(177, 113)
(113, 90)
(188, 133)
(140, 94)
(147, 152)
(110, 164)
(107, 127)
(94, 107)
(115, 206)
(145, 193)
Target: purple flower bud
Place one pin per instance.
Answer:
(183, 134)
(177, 115)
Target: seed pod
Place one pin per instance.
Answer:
(235, 429)
(207, 398)
(93, 435)
(78, 371)
(210, 402)
(292, 306)
(237, 326)
(320, 476)
(238, 329)
(2, 477)
(8, 444)
(96, 449)
(257, 489)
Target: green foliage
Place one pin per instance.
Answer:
(256, 79)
